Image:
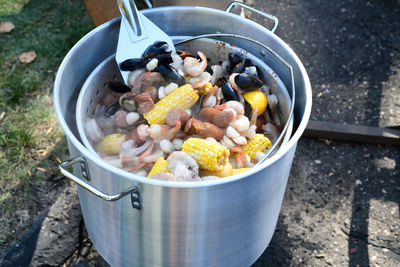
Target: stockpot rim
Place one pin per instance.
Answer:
(173, 184)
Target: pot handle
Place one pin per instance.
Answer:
(133, 191)
(262, 13)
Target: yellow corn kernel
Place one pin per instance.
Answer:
(161, 165)
(209, 155)
(183, 98)
(236, 171)
(111, 144)
(205, 89)
(258, 143)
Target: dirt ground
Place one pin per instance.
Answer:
(341, 206)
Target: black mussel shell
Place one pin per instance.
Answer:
(221, 81)
(239, 68)
(247, 109)
(111, 110)
(228, 92)
(209, 70)
(118, 87)
(234, 59)
(133, 64)
(155, 49)
(171, 75)
(164, 59)
(248, 82)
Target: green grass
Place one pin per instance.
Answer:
(29, 133)
(8, 7)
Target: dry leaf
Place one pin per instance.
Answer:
(6, 26)
(2, 115)
(326, 141)
(49, 130)
(29, 173)
(41, 169)
(27, 57)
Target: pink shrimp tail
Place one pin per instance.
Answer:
(241, 154)
(147, 152)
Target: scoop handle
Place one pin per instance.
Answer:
(130, 13)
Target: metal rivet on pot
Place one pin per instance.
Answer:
(136, 205)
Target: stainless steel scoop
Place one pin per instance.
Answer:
(136, 34)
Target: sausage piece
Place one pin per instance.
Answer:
(177, 115)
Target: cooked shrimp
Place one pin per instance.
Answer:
(153, 156)
(235, 105)
(167, 146)
(217, 73)
(211, 99)
(134, 75)
(147, 152)
(200, 80)
(182, 165)
(158, 133)
(193, 66)
(147, 79)
(231, 132)
(271, 131)
(241, 124)
(250, 132)
(177, 61)
(129, 150)
(93, 130)
(241, 154)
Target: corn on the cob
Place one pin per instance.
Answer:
(258, 143)
(183, 98)
(236, 171)
(209, 155)
(161, 165)
(205, 89)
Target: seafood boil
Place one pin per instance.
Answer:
(180, 119)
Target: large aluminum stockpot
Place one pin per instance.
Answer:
(146, 222)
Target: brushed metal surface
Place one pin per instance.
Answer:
(215, 223)
(136, 34)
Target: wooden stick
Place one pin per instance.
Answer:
(352, 133)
